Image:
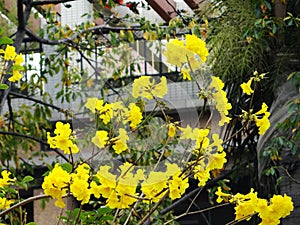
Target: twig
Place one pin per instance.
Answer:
(196, 212)
(192, 193)
(153, 209)
(35, 139)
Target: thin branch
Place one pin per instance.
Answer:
(197, 212)
(22, 203)
(192, 193)
(153, 209)
(19, 95)
(34, 139)
(26, 201)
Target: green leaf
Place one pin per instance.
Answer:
(67, 167)
(6, 41)
(31, 223)
(4, 86)
(107, 217)
(102, 211)
(27, 179)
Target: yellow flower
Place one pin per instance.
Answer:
(216, 160)
(216, 83)
(176, 53)
(262, 123)
(217, 142)
(177, 186)
(186, 74)
(16, 76)
(56, 184)
(5, 203)
(63, 139)
(135, 115)
(160, 89)
(106, 113)
(154, 185)
(282, 205)
(171, 130)
(196, 45)
(120, 141)
(100, 139)
(201, 174)
(80, 190)
(270, 212)
(246, 87)
(9, 53)
(5, 180)
(202, 141)
(187, 133)
(19, 59)
(93, 104)
(142, 87)
(221, 195)
(219, 95)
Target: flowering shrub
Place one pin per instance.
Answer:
(15, 69)
(126, 186)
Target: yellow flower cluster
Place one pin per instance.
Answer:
(146, 88)
(4, 182)
(158, 183)
(249, 204)
(261, 118)
(219, 96)
(9, 54)
(210, 155)
(120, 191)
(246, 87)
(116, 110)
(63, 139)
(186, 55)
(56, 184)
(119, 143)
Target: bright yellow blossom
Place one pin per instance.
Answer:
(171, 130)
(9, 53)
(120, 144)
(261, 119)
(80, 183)
(176, 53)
(19, 59)
(106, 113)
(186, 74)
(177, 185)
(56, 184)
(63, 139)
(100, 139)
(160, 89)
(221, 195)
(249, 204)
(216, 160)
(134, 115)
(5, 180)
(16, 76)
(219, 95)
(5, 203)
(246, 87)
(201, 173)
(155, 184)
(196, 45)
(94, 104)
(143, 87)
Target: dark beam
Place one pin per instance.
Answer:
(166, 9)
(194, 4)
